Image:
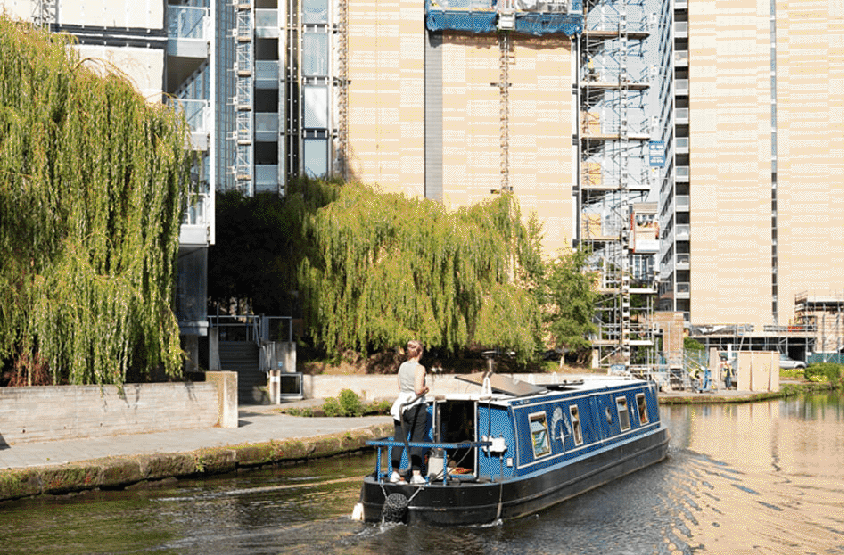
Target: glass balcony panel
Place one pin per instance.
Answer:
(266, 123)
(315, 54)
(266, 70)
(184, 22)
(314, 12)
(266, 175)
(316, 157)
(195, 112)
(266, 18)
(681, 86)
(316, 107)
(682, 203)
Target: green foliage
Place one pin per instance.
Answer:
(92, 185)
(825, 371)
(351, 403)
(571, 301)
(385, 268)
(331, 407)
(347, 404)
(693, 345)
(370, 270)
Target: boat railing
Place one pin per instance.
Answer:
(386, 442)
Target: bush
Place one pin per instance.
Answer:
(331, 407)
(824, 371)
(350, 403)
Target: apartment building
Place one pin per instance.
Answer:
(563, 103)
(756, 211)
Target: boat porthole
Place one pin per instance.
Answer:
(608, 414)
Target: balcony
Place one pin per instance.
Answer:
(266, 126)
(682, 174)
(681, 116)
(266, 177)
(681, 58)
(188, 31)
(681, 87)
(266, 74)
(197, 114)
(266, 23)
(681, 145)
(683, 290)
(681, 203)
(195, 225)
(682, 232)
(681, 29)
(682, 262)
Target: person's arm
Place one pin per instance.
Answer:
(421, 388)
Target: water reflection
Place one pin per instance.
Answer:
(761, 478)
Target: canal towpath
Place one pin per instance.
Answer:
(265, 435)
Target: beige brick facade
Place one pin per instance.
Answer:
(730, 157)
(386, 108)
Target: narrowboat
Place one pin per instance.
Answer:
(507, 449)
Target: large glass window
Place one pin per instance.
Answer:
(314, 12)
(316, 107)
(315, 54)
(316, 157)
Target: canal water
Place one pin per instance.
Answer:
(747, 478)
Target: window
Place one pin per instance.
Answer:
(575, 425)
(539, 434)
(642, 406)
(623, 413)
(316, 157)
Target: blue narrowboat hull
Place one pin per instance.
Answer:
(512, 453)
(476, 503)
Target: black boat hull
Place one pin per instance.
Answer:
(472, 503)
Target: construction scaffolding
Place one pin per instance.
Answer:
(614, 135)
(822, 314)
(243, 101)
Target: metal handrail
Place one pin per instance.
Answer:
(385, 442)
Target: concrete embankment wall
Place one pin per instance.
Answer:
(31, 414)
(126, 471)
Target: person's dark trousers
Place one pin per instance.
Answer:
(415, 424)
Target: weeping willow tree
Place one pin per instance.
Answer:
(92, 180)
(382, 268)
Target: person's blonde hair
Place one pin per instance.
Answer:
(414, 348)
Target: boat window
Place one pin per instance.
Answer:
(623, 413)
(643, 408)
(539, 434)
(575, 425)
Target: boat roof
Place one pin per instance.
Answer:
(503, 386)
